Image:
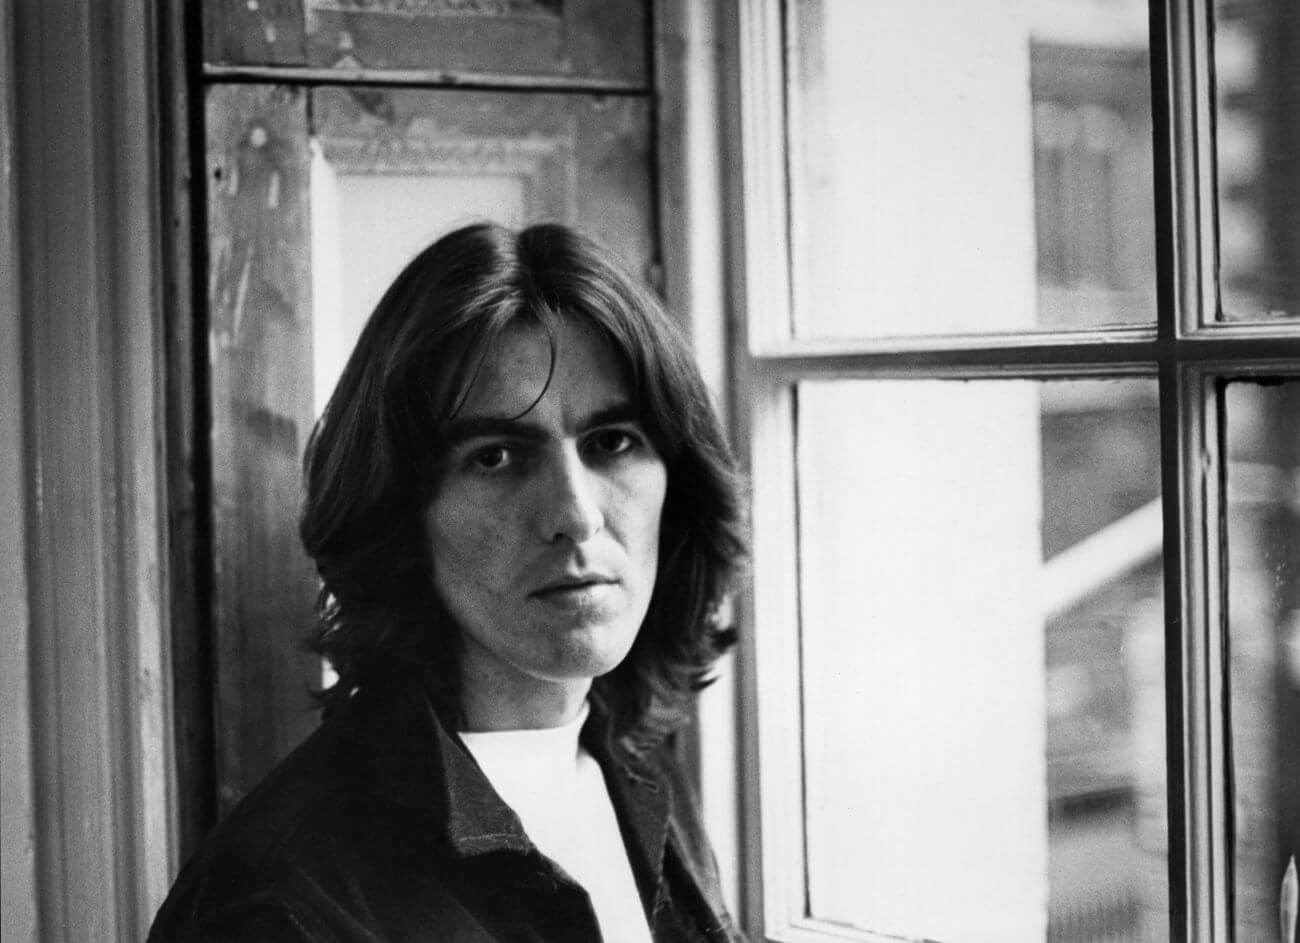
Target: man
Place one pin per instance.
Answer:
(525, 518)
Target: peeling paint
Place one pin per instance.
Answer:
(241, 296)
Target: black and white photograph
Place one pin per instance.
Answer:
(650, 471)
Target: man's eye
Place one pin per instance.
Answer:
(491, 458)
(613, 442)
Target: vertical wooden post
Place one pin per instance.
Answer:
(258, 177)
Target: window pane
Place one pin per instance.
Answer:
(960, 167)
(1257, 82)
(1264, 644)
(983, 665)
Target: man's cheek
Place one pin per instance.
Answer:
(477, 549)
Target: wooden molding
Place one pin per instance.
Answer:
(86, 180)
(18, 836)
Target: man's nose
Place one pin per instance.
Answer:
(570, 501)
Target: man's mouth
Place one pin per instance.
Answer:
(572, 585)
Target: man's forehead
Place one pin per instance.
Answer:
(531, 374)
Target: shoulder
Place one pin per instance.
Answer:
(322, 800)
(324, 841)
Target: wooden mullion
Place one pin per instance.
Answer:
(760, 314)
(1175, 654)
(1196, 671)
(1171, 223)
(1040, 356)
(1193, 463)
(1188, 139)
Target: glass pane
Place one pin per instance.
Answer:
(1257, 84)
(964, 168)
(1264, 644)
(253, 32)
(983, 658)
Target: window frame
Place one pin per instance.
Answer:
(1188, 351)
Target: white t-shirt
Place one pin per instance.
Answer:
(558, 791)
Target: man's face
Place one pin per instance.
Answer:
(544, 529)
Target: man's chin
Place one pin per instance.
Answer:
(587, 658)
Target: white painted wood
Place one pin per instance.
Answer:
(763, 174)
(691, 165)
(776, 662)
(773, 843)
(691, 169)
(88, 243)
(18, 831)
(1207, 835)
(1191, 108)
(1206, 788)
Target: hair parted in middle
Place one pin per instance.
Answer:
(375, 459)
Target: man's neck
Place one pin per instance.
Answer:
(534, 707)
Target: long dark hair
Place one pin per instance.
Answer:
(373, 462)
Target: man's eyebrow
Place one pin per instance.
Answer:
(621, 412)
(488, 427)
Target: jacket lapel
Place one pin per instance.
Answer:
(413, 761)
(642, 801)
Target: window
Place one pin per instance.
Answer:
(1016, 386)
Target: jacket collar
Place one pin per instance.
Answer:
(642, 798)
(414, 761)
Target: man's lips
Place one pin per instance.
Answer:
(572, 584)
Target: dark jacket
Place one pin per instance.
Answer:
(381, 827)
